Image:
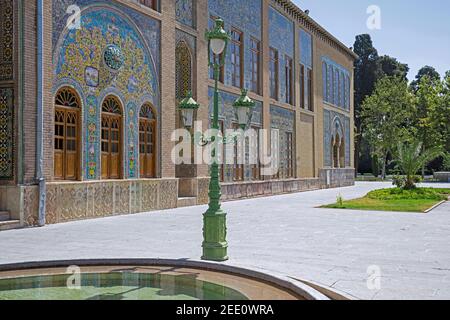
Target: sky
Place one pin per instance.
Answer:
(415, 32)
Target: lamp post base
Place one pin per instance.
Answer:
(215, 246)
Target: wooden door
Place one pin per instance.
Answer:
(111, 147)
(71, 145)
(147, 148)
(66, 144)
(59, 144)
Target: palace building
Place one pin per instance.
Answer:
(89, 92)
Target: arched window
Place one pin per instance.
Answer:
(111, 138)
(336, 148)
(183, 70)
(342, 153)
(147, 141)
(67, 135)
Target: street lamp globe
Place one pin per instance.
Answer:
(243, 107)
(217, 38)
(187, 107)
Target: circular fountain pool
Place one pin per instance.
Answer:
(145, 281)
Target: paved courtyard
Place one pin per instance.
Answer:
(286, 234)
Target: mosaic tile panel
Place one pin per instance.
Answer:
(336, 123)
(281, 37)
(245, 15)
(185, 12)
(283, 120)
(306, 48)
(185, 55)
(122, 197)
(6, 133)
(80, 63)
(336, 84)
(132, 138)
(77, 201)
(6, 40)
(149, 194)
(92, 142)
(203, 191)
(168, 194)
(327, 160)
(30, 206)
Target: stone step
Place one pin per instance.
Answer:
(8, 225)
(4, 216)
(187, 202)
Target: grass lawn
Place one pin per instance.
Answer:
(418, 200)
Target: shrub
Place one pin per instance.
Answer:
(399, 181)
(414, 194)
(340, 200)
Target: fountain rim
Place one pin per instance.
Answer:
(295, 286)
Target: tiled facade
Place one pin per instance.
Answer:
(126, 50)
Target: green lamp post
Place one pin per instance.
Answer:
(215, 244)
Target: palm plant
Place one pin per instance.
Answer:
(411, 158)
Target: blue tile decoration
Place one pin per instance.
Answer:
(6, 133)
(281, 38)
(185, 12)
(244, 15)
(190, 40)
(306, 48)
(283, 120)
(336, 84)
(327, 136)
(79, 60)
(335, 123)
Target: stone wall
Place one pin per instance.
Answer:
(336, 178)
(267, 188)
(79, 201)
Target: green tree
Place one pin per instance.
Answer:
(386, 117)
(431, 123)
(411, 158)
(392, 67)
(425, 71)
(367, 70)
(446, 108)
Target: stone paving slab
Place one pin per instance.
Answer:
(287, 234)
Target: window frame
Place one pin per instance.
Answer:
(234, 45)
(152, 4)
(179, 76)
(302, 86)
(310, 90)
(290, 155)
(255, 53)
(289, 74)
(274, 74)
(238, 169)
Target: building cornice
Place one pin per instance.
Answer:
(312, 26)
